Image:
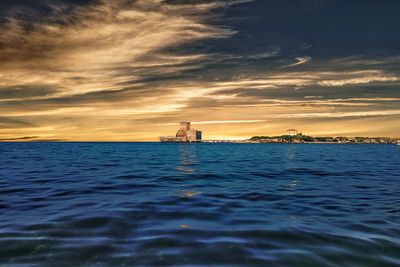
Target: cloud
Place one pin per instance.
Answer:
(104, 46)
(279, 84)
(268, 53)
(236, 2)
(23, 138)
(360, 80)
(338, 114)
(23, 92)
(220, 122)
(14, 123)
(299, 61)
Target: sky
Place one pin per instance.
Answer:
(131, 70)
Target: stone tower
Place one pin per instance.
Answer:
(185, 125)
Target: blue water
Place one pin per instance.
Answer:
(159, 204)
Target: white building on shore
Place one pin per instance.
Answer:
(292, 132)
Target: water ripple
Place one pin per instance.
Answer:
(146, 204)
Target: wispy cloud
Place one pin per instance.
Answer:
(108, 46)
(220, 122)
(360, 80)
(11, 123)
(23, 138)
(299, 61)
(338, 114)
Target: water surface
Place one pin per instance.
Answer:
(159, 204)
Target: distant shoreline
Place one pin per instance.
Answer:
(288, 143)
(306, 139)
(387, 141)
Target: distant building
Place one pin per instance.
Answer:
(184, 134)
(292, 132)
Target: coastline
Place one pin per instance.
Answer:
(202, 142)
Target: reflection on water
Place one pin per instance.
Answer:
(145, 204)
(188, 162)
(188, 193)
(187, 158)
(291, 187)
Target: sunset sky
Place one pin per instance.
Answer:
(130, 70)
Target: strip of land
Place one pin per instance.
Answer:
(300, 138)
(306, 139)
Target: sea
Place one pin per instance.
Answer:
(175, 204)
